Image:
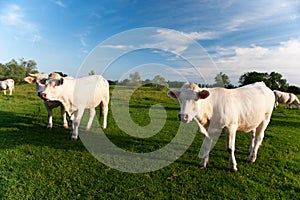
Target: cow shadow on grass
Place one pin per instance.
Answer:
(284, 123)
(18, 129)
(23, 129)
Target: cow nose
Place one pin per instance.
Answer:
(183, 117)
(44, 95)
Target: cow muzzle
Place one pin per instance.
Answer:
(183, 117)
(44, 96)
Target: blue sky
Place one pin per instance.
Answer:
(239, 36)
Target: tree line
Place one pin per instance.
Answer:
(17, 70)
(274, 81)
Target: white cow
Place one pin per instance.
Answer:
(40, 81)
(77, 95)
(7, 84)
(247, 109)
(288, 98)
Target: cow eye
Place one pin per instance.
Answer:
(43, 81)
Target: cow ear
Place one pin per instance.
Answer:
(174, 94)
(203, 94)
(29, 79)
(61, 81)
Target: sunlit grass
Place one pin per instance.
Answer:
(36, 163)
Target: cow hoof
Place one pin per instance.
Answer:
(74, 138)
(250, 161)
(203, 162)
(201, 167)
(65, 126)
(233, 169)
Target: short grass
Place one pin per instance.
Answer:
(36, 163)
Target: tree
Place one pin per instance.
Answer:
(30, 66)
(125, 82)
(222, 80)
(135, 78)
(17, 70)
(293, 89)
(147, 83)
(2, 71)
(252, 77)
(276, 82)
(159, 82)
(273, 80)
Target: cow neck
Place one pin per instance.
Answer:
(67, 97)
(205, 111)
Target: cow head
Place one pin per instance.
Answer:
(51, 91)
(188, 96)
(40, 81)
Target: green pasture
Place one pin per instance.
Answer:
(36, 163)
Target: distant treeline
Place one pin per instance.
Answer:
(273, 80)
(18, 70)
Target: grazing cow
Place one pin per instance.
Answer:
(215, 110)
(288, 98)
(77, 95)
(40, 81)
(7, 84)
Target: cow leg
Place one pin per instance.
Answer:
(104, 110)
(10, 91)
(207, 143)
(76, 124)
(49, 111)
(230, 143)
(72, 118)
(50, 124)
(4, 91)
(64, 116)
(92, 115)
(259, 136)
(252, 141)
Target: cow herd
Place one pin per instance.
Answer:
(73, 95)
(215, 110)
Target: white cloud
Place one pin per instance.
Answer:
(36, 38)
(11, 15)
(120, 47)
(170, 41)
(244, 16)
(283, 58)
(60, 3)
(208, 35)
(14, 20)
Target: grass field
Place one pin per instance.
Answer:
(36, 163)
